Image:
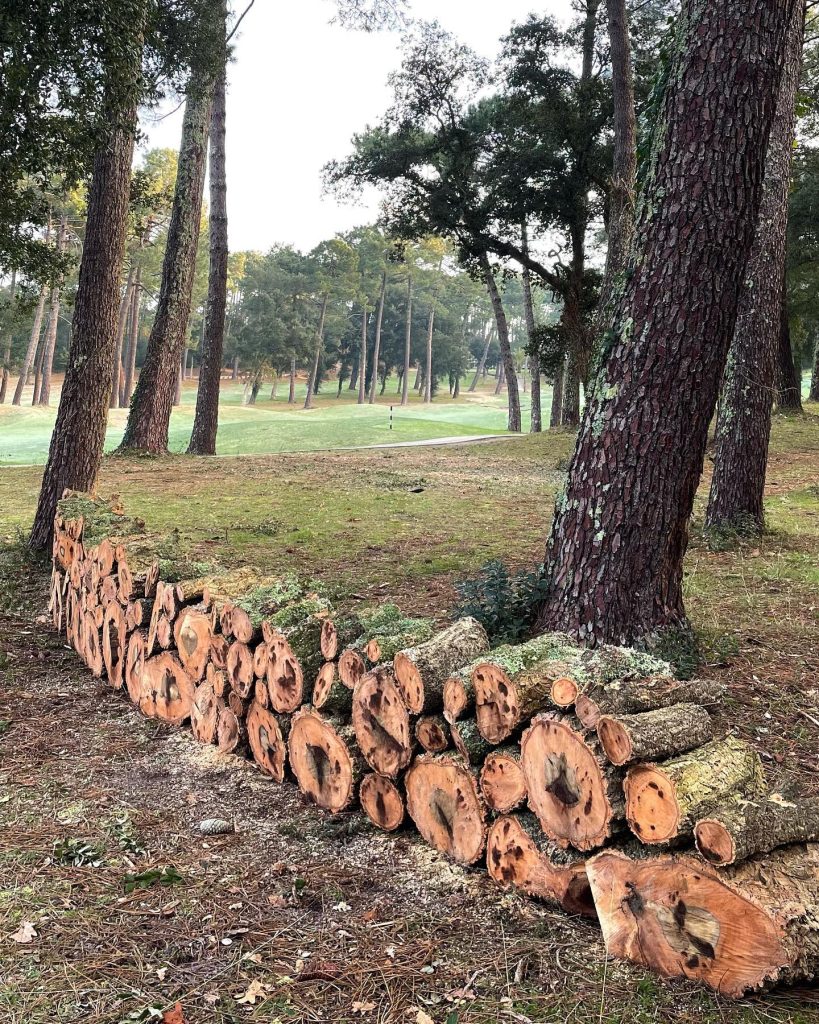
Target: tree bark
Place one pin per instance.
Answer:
(50, 344)
(813, 395)
(79, 432)
(124, 308)
(377, 346)
(736, 498)
(133, 341)
(570, 415)
(206, 417)
(31, 351)
(291, 394)
(311, 383)
(4, 381)
(362, 358)
(631, 485)
(479, 369)
(428, 365)
(790, 376)
(556, 412)
(147, 427)
(513, 420)
(407, 346)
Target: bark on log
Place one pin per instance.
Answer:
(324, 759)
(737, 931)
(663, 733)
(634, 696)
(664, 801)
(503, 783)
(382, 801)
(330, 695)
(422, 671)
(444, 802)
(382, 723)
(468, 741)
(740, 828)
(267, 735)
(575, 796)
(432, 733)
(519, 855)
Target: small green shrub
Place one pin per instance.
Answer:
(503, 602)
(79, 853)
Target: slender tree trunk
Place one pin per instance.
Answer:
(38, 367)
(180, 377)
(31, 351)
(124, 308)
(4, 381)
(790, 376)
(133, 341)
(556, 412)
(44, 396)
(513, 421)
(744, 419)
(354, 372)
(456, 391)
(274, 387)
(813, 396)
(407, 346)
(480, 368)
(419, 378)
(311, 383)
(377, 347)
(291, 397)
(428, 367)
(536, 424)
(500, 377)
(235, 374)
(147, 427)
(614, 558)
(362, 358)
(79, 432)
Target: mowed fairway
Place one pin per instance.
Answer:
(276, 426)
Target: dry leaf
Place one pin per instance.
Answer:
(211, 998)
(362, 1008)
(423, 1018)
(255, 990)
(174, 1015)
(161, 972)
(25, 933)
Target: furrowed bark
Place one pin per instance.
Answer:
(422, 671)
(633, 696)
(468, 741)
(654, 734)
(740, 828)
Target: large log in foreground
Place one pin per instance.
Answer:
(382, 723)
(324, 760)
(737, 931)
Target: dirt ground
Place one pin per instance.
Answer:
(114, 906)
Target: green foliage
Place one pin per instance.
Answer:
(122, 829)
(503, 602)
(79, 853)
(166, 875)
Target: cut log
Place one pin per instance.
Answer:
(635, 696)
(151, 580)
(138, 613)
(267, 735)
(351, 667)
(382, 802)
(519, 855)
(385, 632)
(260, 694)
(205, 712)
(252, 606)
(218, 652)
(740, 828)
(459, 695)
(239, 668)
(172, 688)
(134, 666)
(468, 741)
(382, 723)
(422, 671)
(114, 634)
(324, 759)
(293, 663)
(164, 632)
(663, 733)
(503, 783)
(664, 801)
(575, 796)
(330, 695)
(338, 634)
(92, 644)
(737, 931)
(444, 802)
(237, 704)
(193, 631)
(260, 658)
(229, 731)
(432, 733)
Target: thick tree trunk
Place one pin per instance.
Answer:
(556, 412)
(79, 432)
(124, 309)
(31, 351)
(407, 346)
(311, 383)
(737, 491)
(377, 347)
(790, 376)
(631, 486)
(206, 418)
(362, 357)
(147, 427)
(133, 341)
(513, 420)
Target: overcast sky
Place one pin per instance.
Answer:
(299, 88)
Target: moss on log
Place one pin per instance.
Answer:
(468, 741)
(422, 671)
(638, 695)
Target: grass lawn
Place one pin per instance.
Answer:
(276, 426)
(335, 922)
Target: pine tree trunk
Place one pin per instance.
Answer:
(744, 421)
(513, 420)
(362, 357)
(631, 485)
(149, 418)
(4, 381)
(133, 341)
(206, 417)
(536, 422)
(813, 396)
(311, 383)
(180, 376)
(479, 369)
(428, 366)
(124, 309)
(31, 351)
(556, 413)
(377, 347)
(500, 378)
(407, 346)
(79, 432)
(790, 377)
(235, 374)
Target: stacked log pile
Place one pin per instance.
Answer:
(591, 780)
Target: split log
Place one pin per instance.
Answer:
(468, 741)
(663, 733)
(739, 930)
(193, 631)
(267, 735)
(324, 759)
(444, 802)
(338, 634)
(205, 712)
(664, 801)
(382, 723)
(91, 641)
(382, 801)
(239, 668)
(459, 695)
(519, 855)
(330, 695)
(740, 828)
(432, 733)
(135, 665)
(503, 783)
(171, 687)
(114, 634)
(575, 796)
(422, 671)
(636, 696)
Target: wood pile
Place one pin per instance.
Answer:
(589, 779)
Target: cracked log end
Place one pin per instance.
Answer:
(267, 741)
(321, 761)
(285, 679)
(382, 723)
(205, 713)
(444, 803)
(503, 783)
(409, 682)
(351, 667)
(329, 640)
(114, 632)
(171, 688)
(382, 802)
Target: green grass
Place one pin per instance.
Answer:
(276, 426)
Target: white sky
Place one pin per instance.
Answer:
(299, 88)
